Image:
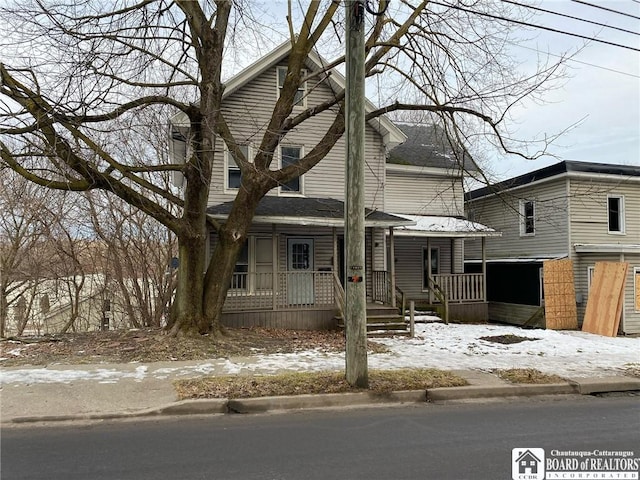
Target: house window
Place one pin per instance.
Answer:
(241, 271)
(234, 175)
(300, 98)
(527, 218)
(254, 268)
(291, 156)
(615, 211)
(435, 265)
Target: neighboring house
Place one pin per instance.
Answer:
(290, 273)
(46, 306)
(586, 212)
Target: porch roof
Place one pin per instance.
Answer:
(324, 212)
(441, 226)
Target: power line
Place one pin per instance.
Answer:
(541, 27)
(569, 59)
(607, 9)
(531, 7)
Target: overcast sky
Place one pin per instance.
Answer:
(601, 97)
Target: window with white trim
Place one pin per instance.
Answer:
(254, 268)
(435, 265)
(233, 177)
(300, 98)
(615, 213)
(290, 155)
(527, 218)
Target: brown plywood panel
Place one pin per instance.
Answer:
(559, 295)
(637, 292)
(604, 306)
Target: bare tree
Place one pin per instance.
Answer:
(78, 73)
(21, 233)
(137, 259)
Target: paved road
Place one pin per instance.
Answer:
(465, 441)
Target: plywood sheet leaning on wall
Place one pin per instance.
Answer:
(559, 295)
(636, 282)
(604, 305)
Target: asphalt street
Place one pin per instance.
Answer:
(455, 441)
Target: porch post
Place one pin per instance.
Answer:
(428, 268)
(275, 262)
(484, 269)
(392, 266)
(335, 265)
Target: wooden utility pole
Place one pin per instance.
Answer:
(356, 296)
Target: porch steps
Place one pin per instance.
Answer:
(382, 320)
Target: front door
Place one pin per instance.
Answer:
(300, 288)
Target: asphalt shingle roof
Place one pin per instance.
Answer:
(310, 208)
(429, 146)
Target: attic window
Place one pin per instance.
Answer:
(300, 97)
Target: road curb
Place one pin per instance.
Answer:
(479, 391)
(326, 400)
(587, 386)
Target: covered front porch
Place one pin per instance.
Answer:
(428, 265)
(291, 271)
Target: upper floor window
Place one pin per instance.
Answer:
(615, 212)
(234, 175)
(300, 98)
(289, 156)
(527, 217)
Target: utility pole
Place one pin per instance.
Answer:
(356, 294)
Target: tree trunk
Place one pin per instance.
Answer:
(231, 238)
(187, 316)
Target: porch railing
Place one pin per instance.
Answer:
(381, 287)
(461, 287)
(293, 289)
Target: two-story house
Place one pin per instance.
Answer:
(586, 212)
(424, 183)
(290, 273)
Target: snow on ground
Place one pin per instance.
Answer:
(436, 345)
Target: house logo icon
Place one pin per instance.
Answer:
(527, 464)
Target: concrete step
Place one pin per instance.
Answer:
(382, 323)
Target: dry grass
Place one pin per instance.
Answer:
(301, 383)
(527, 375)
(153, 345)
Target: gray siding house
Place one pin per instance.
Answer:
(586, 212)
(290, 274)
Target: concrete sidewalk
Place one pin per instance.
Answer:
(105, 391)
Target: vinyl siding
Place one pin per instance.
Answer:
(248, 111)
(589, 213)
(408, 257)
(501, 212)
(423, 194)
(630, 317)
